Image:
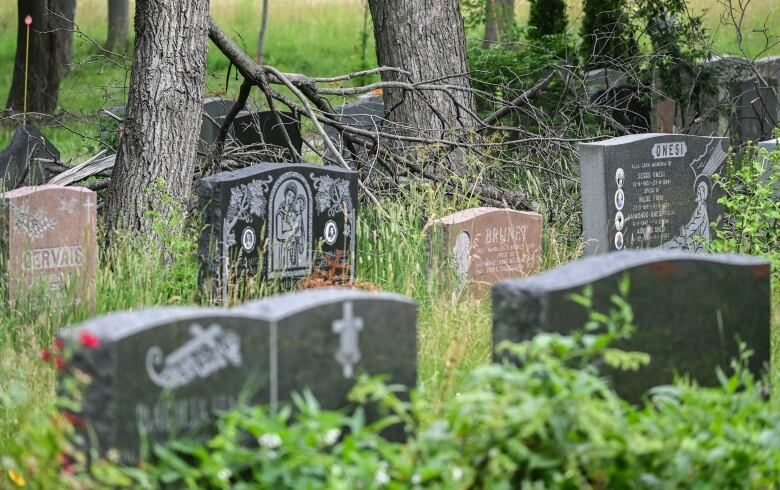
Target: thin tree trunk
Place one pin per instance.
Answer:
(66, 11)
(426, 38)
(118, 25)
(157, 154)
(499, 20)
(43, 72)
(260, 55)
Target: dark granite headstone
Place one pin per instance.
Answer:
(261, 132)
(166, 371)
(650, 190)
(214, 108)
(688, 309)
(21, 161)
(283, 221)
(366, 113)
(755, 114)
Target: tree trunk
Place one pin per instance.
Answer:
(156, 158)
(66, 10)
(426, 38)
(43, 72)
(118, 25)
(499, 20)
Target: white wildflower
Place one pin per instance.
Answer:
(416, 479)
(457, 473)
(271, 440)
(224, 474)
(331, 436)
(381, 477)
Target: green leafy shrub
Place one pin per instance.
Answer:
(547, 17)
(607, 34)
(751, 224)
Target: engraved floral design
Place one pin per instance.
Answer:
(333, 195)
(246, 200)
(68, 205)
(34, 225)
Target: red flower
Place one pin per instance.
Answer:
(46, 355)
(59, 343)
(88, 340)
(65, 464)
(59, 362)
(73, 419)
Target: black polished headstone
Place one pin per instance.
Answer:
(21, 161)
(650, 190)
(689, 310)
(283, 221)
(367, 113)
(261, 132)
(166, 372)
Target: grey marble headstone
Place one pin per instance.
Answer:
(366, 113)
(283, 221)
(689, 309)
(650, 190)
(21, 161)
(168, 371)
(261, 132)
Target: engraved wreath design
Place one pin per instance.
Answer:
(34, 225)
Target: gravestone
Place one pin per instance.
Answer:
(650, 190)
(167, 371)
(214, 108)
(283, 221)
(488, 244)
(261, 132)
(21, 161)
(49, 244)
(367, 113)
(689, 310)
(755, 114)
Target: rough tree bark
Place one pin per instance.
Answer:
(118, 25)
(499, 20)
(66, 11)
(163, 112)
(44, 71)
(427, 39)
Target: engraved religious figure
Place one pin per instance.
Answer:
(461, 254)
(348, 329)
(290, 233)
(693, 235)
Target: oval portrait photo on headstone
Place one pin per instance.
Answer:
(248, 239)
(620, 199)
(619, 240)
(331, 232)
(619, 220)
(620, 177)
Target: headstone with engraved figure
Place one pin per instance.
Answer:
(282, 221)
(49, 245)
(650, 190)
(488, 244)
(164, 372)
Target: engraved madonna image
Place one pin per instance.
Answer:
(290, 253)
(461, 254)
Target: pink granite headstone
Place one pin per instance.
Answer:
(50, 245)
(486, 245)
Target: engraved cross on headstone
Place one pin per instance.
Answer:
(349, 349)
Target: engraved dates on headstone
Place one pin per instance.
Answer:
(650, 190)
(282, 221)
(50, 244)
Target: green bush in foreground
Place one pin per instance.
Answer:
(547, 419)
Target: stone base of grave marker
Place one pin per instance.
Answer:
(691, 311)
